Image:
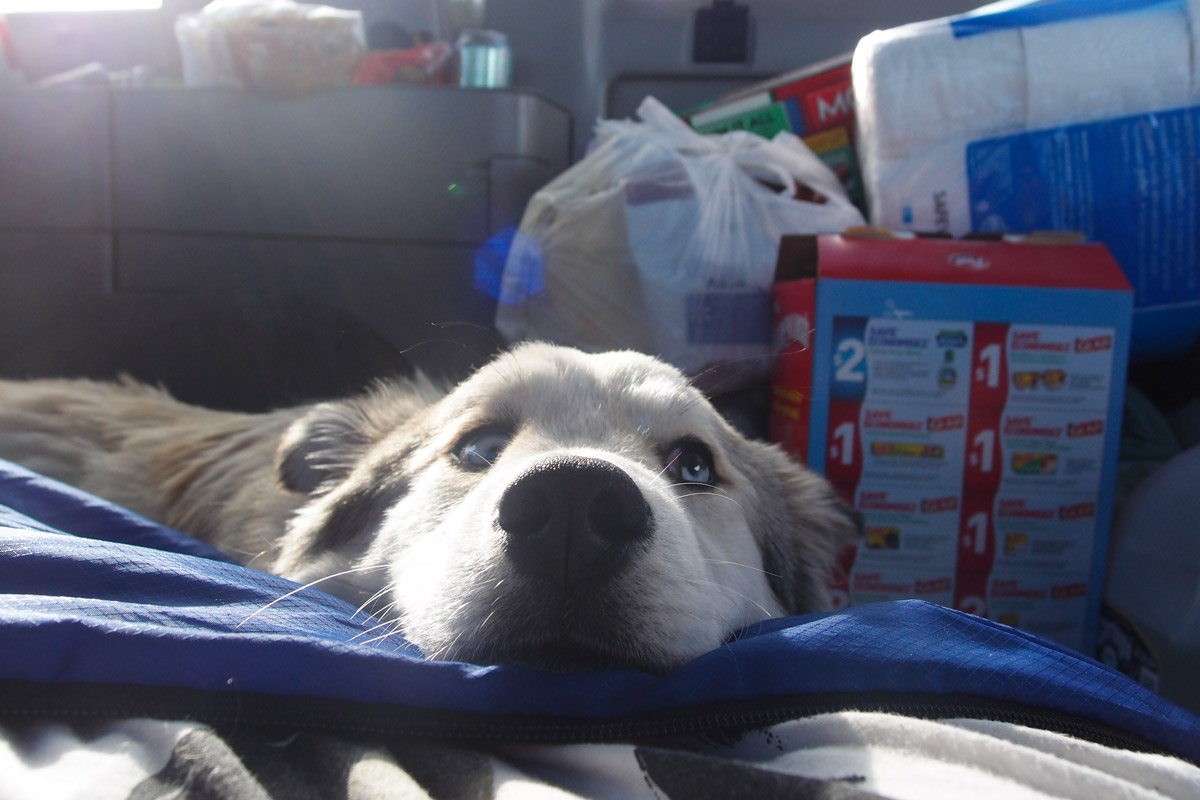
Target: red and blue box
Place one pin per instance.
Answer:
(816, 103)
(966, 396)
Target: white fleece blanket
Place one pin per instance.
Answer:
(838, 755)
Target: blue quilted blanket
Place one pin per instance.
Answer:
(105, 614)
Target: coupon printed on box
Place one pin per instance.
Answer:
(886, 359)
(966, 396)
(1046, 533)
(1052, 605)
(897, 583)
(1052, 451)
(1059, 366)
(909, 527)
(909, 547)
(898, 444)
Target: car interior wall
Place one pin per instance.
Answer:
(188, 239)
(600, 58)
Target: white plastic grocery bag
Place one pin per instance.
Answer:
(665, 240)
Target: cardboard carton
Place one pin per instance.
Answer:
(967, 397)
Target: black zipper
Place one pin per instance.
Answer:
(239, 712)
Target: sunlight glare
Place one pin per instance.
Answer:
(45, 6)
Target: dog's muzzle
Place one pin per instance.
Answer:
(572, 519)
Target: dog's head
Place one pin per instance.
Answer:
(562, 510)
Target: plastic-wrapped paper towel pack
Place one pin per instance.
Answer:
(1065, 114)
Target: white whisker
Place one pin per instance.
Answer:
(709, 493)
(309, 585)
(480, 626)
(388, 635)
(730, 592)
(372, 629)
(372, 599)
(667, 466)
(759, 570)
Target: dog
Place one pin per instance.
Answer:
(556, 509)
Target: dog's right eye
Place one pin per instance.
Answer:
(691, 462)
(480, 449)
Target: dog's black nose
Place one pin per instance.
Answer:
(572, 518)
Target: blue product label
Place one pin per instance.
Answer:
(1131, 183)
(728, 317)
(849, 359)
(795, 116)
(1045, 12)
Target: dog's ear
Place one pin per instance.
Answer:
(320, 448)
(323, 446)
(802, 524)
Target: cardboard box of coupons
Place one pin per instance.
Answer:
(966, 396)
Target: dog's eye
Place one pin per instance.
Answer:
(481, 449)
(690, 462)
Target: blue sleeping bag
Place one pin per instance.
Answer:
(103, 613)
